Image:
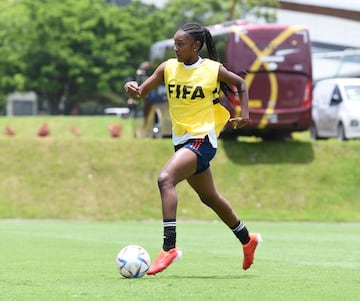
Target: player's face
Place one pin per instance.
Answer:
(185, 48)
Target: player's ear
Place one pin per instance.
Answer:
(197, 46)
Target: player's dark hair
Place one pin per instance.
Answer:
(202, 35)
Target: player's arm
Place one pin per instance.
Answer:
(233, 79)
(155, 79)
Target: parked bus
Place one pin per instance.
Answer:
(274, 60)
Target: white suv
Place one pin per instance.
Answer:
(336, 109)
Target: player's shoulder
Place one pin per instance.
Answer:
(171, 65)
(211, 65)
(211, 62)
(172, 61)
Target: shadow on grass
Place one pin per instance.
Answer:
(274, 152)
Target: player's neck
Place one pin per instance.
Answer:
(195, 64)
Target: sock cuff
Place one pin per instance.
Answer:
(169, 223)
(238, 227)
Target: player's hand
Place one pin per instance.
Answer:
(132, 89)
(239, 122)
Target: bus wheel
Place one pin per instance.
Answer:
(228, 135)
(276, 137)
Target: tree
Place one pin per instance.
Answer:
(177, 12)
(263, 9)
(13, 26)
(72, 51)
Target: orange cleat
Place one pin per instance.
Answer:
(249, 250)
(164, 260)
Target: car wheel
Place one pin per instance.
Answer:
(341, 136)
(313, 132)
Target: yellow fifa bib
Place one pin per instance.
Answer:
(191, 91)
(222, 116)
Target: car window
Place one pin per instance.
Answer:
(352, 93)
(336, 97)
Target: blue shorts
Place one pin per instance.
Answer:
(203, 149)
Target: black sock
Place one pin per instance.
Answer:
(241, 232)
(169, 234)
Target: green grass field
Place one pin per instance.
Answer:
(69, 203)
(58, 260)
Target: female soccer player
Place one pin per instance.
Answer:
(193, 85)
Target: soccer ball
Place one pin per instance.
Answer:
(133, 261)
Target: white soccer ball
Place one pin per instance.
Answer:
(133, 261)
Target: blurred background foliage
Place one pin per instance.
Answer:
(80, 53)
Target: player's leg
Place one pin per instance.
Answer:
(204, 185)
(180, 166)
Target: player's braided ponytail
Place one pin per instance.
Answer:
(203, 35)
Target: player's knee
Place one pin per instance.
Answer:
(164, 179)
